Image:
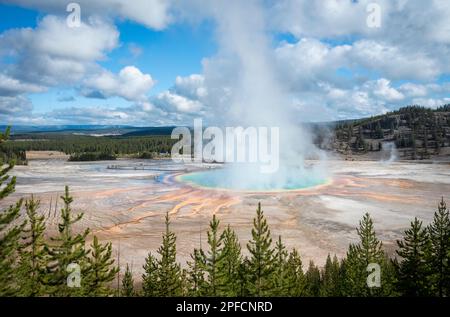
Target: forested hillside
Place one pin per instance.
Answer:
(416, 132)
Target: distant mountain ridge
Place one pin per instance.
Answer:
(93, 130)
(15, 129)
(151, 131)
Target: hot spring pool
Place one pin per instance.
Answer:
(242, 180)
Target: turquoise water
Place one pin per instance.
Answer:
(241, 180)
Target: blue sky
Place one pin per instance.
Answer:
(16, 17)
(177, 51)
(164, 62)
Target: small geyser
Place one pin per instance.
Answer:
(389, 152)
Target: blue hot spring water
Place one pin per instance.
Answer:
(242, 179)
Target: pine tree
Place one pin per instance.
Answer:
(389, 277)
(425, 141)
(439, 255)
(150, 286)
(355, 274)
(243, 278)
(279, 278)
(67, 254)
(359, 256)
(128, 283)
(379, 131)
(260, 264)
(185, 287)
(413, 270)
(330, 276)
(196, 274)
(33, 252)
(343, 285)
(163, 276)
(312, 278)
(100, 270)
(212, 260)
(229, 267)
(9, 244)
(413, 144)
(9, 229)
(295, 278)
(169, 271)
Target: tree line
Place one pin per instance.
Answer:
(91, 156)
(421, 268)
(8, 154)
(78, 144)
(32, 263)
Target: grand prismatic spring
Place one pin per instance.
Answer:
(126, 203)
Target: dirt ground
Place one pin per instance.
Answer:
(45, 155)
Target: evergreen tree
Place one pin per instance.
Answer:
(413, 270)
(128, 283)
(243, 277)
(229, 267)
(330, 278)
(9, 230)
(413, 144)
(359, 256)
(349, 132)
(439, 255)
(33, 252)
(260, 264)
(185, 287)
(343, 284)
(100, 270)
(379, 131)
(389, 277)
(279, 278)
(169, 271)
(150, 286)
(212, 259)
(67, 253)
(312, 278)
(295, 278)
(425, 141)
(163, 276)
(196, 274)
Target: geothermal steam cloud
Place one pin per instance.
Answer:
(253, 97)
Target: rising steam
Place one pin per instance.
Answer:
(252, 95)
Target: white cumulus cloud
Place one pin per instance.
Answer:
(130, 83)
(170, 101)
(151, 13)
